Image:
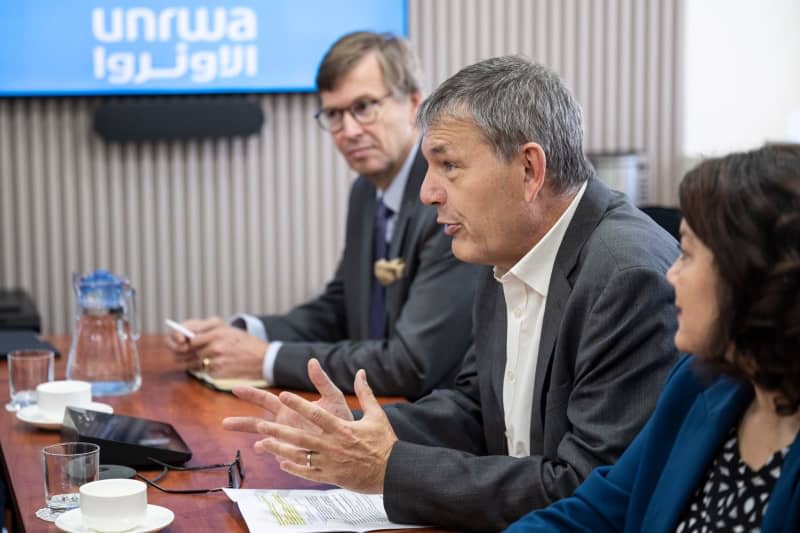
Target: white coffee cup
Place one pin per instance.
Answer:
(113, 504)
(54, 396)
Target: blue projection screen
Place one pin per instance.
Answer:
(105, 47)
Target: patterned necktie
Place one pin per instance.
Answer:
(377, 308)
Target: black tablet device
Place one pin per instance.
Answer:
(125, 440)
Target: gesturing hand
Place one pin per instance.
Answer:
(331, 400)
(320, 440)
(324, 447)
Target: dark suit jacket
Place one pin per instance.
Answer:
(650, 486)
(606, 347)
(428, 310)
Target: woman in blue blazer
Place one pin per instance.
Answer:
(721, 450)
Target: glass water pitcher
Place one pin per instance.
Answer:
(103, 349)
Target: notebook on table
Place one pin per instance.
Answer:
(225, 384)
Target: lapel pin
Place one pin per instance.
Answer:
(387, 272)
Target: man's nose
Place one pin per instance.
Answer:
(430, 193)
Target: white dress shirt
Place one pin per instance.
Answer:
(525, 290)
(393, 199)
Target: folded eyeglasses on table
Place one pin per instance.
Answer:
(235, 475)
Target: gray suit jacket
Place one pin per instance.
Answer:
(429, 320)
(606, 347)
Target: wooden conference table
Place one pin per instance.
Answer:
(170, 395)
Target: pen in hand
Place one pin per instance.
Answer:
(189, 334)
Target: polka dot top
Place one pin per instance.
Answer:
(732, 497)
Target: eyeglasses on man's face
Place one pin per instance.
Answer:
(363, 110)
(235, 475)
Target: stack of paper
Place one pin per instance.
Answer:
(300, 511)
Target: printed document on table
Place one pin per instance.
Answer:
(300, 511)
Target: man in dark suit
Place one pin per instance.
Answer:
(380, 311)
(573, 324)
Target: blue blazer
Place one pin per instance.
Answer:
(650, 485)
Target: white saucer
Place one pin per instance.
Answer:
(31, 414)
(155, 518)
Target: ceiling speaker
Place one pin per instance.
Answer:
(149, 119)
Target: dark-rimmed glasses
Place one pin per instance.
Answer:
(363, 110)
(235, 475)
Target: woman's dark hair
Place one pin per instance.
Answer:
(745, 207)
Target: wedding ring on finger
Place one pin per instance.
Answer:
(308, 459)
(206, 363)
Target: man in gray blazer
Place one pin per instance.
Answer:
(573, 324)
(380, 311)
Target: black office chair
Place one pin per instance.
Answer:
(668, 218)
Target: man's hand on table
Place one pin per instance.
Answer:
(219, 348)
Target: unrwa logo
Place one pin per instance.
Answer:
(190, 25)
(131, 44)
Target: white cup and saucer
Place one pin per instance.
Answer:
(52, 397)
(114, 506)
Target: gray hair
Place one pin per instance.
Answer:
(514, 101)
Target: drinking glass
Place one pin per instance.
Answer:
(26, 370)
(67, 466)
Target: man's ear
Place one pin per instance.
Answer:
(535, 166)
(416, 99)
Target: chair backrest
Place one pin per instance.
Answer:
(668, 218)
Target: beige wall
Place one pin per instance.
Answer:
(740, 92)
(256, 224)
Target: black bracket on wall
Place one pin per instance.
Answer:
(178, 117)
